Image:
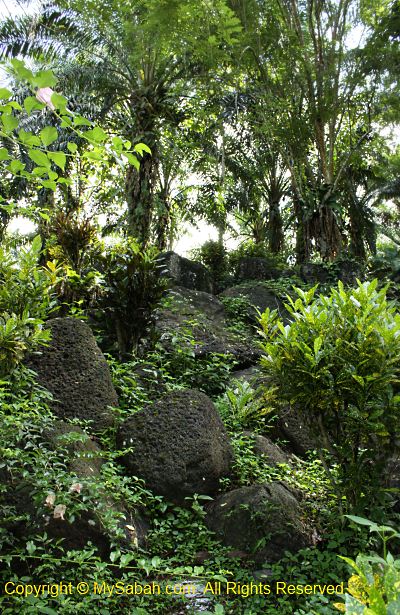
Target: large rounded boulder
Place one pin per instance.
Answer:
(259, 297)
(184, 272)
(73, 368)
(179, 445)
(262, 520)
(205, 316)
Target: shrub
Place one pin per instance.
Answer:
(338, 363)
(375, 585)
(213, 255)
(132, 286)
(27, 295)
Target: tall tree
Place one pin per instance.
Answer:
(315, 106)
(139, 60)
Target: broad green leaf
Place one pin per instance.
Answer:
(13, 104)
(31, 103)
(361, 521)
(5, 94)
(37, 244)
(93, 155)
(52, 174)
(59, 101)
(66, 122)
(79, 120)
(21, 70)
(132, 160)
(97, 134)
(59, 158)
(39, 157)
(317, 344)
(72, 147)
(39, 171)
(16, 166)
(10, 122)
(27, 138)
(48, 135)
(44, 79)
(141, 147)
(47, 183)
(118, 144)
(4, 155)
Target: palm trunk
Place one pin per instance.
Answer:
(139, 188)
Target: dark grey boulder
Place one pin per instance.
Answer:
(256, 268)
(84, 455)
(259, 298)
(263, 520)
(184, 272)
(35, 514)
(73, 368)
(251, 375)
(347, 271)
(264, 447)
(315, 273)
(290, 429)
(180, 446)
(205, 316)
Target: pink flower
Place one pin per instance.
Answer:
(44, 96)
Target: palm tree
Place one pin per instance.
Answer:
(133, 63)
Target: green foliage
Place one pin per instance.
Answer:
(180, 357)
(242, 407)
(47, 170)
(237, 311)
(130, 394)
(374, 588)
(214, 256)
(27, 295)
(337, 363)
(131, 288)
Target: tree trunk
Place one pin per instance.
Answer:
(275, 229)
(139, 187)
(303, 248)
(162, 227)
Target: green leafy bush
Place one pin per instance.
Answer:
(214, 256)
(237, 310)
(337, 363)
(241, 407)
(131, 288)
(27, 295)
(374, 589)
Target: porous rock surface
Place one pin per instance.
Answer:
(205, 316)
(259, 297)
(256, 268)
(180, 446)
(269, 451)
(73, 368)
(290, 429)
(347, 271)
(184, 272)
(263, 520)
